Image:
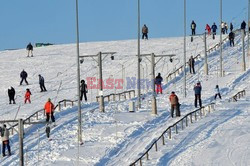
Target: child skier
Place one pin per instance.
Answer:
(217, 92)
(27, 96)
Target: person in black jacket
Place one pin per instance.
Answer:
(191, 65)
(83, 90)
(193, 27)
(158, 81)
(29, 48)
(24, 76)
(231, 38)
(11, 94)
(231, 27)
(41, 82)
(243, 26)
(214, 28)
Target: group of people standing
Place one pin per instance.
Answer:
(24, 76)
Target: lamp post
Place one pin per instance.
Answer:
(184, 60)
(78, 79)
(221, 69)
(139, 60)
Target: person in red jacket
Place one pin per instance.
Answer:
(174, 101)
(208, 29)
(49, 110)
(27, 96)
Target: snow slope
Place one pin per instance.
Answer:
(115, 137)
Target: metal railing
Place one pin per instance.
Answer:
(237, 96)
(175, 73)
(37, 114)
(183, 122)
(112, 97)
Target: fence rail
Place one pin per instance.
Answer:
(183, 122)
(237, 96)
(175, 73)
(112, 97)
(37, 114)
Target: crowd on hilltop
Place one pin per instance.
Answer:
(209, 30)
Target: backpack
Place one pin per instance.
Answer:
(2, 131)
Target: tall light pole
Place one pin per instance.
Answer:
(139, 60)
(221, 69)
(248, 28)
(184, 63)
(78, 79)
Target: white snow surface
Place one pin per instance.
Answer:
(119, 137)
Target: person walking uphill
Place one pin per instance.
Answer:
(5, 140)
(27, 96)
(29, 48)
(11, 94)
(145, 32)
(214, 28)
(243, 27)
(41, 83)
(174, 101)
(24, 76)
(191, 65)
(193, 27)
(231, 38)
(49, 110)
(84, 90)
(208, 29)
(197, 93)
(158, 81)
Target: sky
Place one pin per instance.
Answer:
(54, 21)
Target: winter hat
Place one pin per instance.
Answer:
(10, 87)
(173, 92)
(49, 99)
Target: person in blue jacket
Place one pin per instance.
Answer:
(214, 28)
(197, 93)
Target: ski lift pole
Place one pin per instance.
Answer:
(205, 53)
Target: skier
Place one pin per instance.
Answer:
(191, 64)
(49, 110)
(29, 48)
(197, 92)
(223, 28)
(24, 76)
(208, 29)
(158, 81)
(226, 27)
(193, 27)
(41, 82)
(174, 101)
(243, 27)
(84, 90)
(217, 92)
(5, 140)
(11, 94)
(145, 32)
(231, 38)
(231, 27)
(27, 96)
(214, 28)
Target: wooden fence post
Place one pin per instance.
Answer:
(72, 103)
(176, 129)
(64, 103)
(147, 156)
(186, 121)
(37, 116)
(182, 127)
(59, 106)
(191, 119)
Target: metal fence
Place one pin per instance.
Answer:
(179, 125)
(237, 96)
(112, 97)
(41, 112)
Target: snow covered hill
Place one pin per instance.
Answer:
(117, 137)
